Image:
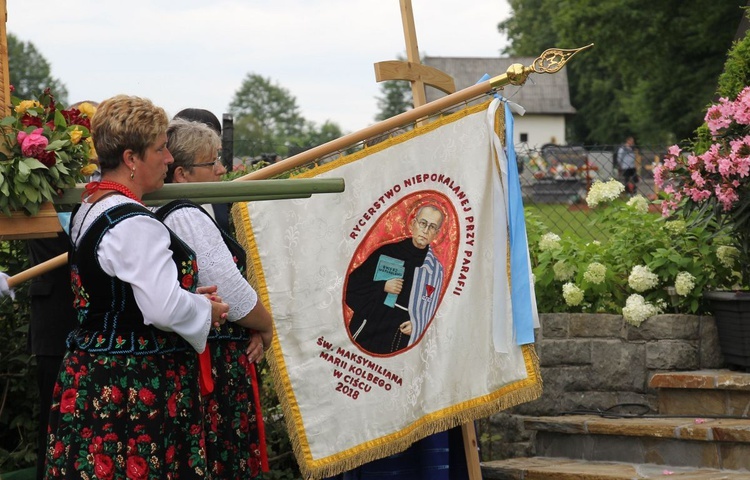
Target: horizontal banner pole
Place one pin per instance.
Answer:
(199, 192)
(213, 192)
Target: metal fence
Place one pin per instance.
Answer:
(555, 180)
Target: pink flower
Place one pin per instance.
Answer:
(670, 163)
(717, 117)
(32, 144)
(725, 166)
(658, 176)
(727, 196)
(698, 178)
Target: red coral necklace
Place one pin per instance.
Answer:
(92, 187)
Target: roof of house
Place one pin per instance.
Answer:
(541, 94)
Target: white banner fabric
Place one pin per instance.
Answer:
(362, 373)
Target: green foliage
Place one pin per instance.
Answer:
(736, 74)
(18, 391)
(30, 72)
(268, 120)
(396, 98)
(717, 144)
(281, 458)
(528, 29)
(651, 72)
(629, 237)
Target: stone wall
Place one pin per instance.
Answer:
(591, 361)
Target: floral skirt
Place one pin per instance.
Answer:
(235, 443)
(126, 416)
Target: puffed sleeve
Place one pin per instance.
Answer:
(215, 263)
(137, 252)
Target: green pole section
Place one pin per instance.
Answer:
(227, 192)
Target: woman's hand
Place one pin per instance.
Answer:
(254, 350)
(219, 311)
(206, 290)
(5, 291)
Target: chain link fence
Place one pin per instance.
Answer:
(555, 180)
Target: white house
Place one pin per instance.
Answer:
(545, 97)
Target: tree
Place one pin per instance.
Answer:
(396, 98)
(653, 68)
(314, 136)
(528, 28)
(268, 120)
(30, 72)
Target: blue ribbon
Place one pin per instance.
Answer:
(523, 314)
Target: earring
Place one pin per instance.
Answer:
(132, 174)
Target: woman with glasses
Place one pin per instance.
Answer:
(235, 443)
(209, 172)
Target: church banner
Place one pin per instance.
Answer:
(392, 300)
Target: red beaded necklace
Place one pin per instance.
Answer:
(92, 187)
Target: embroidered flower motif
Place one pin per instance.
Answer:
(189, 270)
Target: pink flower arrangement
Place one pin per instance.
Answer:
(44, 148)
(721, 172)
(716, 174)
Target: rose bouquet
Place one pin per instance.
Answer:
(716, 181)
(45, 148)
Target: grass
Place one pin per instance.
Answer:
(562, 219)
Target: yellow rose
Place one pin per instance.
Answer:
(87, 109)
(92, 150)
(88, 169)
(75, 135)
(25, 105)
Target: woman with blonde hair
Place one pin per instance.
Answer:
(127, 401)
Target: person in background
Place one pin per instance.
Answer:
(218, 211)
(627, 165)
(127, 399)
(235, 443)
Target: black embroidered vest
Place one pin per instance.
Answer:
(110, 320)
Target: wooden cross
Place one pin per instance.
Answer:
(412, 70)
(420, 75)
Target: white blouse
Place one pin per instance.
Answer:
(215, 263)
(136, 251)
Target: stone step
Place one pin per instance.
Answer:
(541, 468)
(703, 392)
(685, 442)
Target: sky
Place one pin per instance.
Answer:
(191, 53)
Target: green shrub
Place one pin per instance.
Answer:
(19, 406)
(643, 264)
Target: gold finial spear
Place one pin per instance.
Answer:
(551, 60)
